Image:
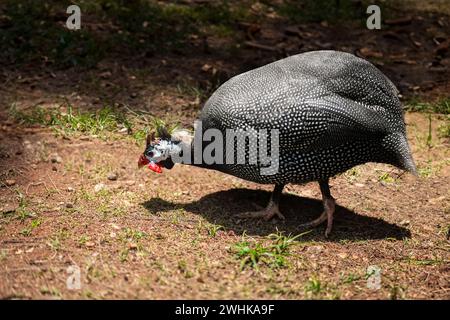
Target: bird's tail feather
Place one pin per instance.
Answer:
(398, 143)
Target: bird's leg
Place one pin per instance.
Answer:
(329, 207)
(272, 208)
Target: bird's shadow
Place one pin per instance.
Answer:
(221, 208)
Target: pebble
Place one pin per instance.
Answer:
(70, 189)
(10, 182)
(112, 176)
(343, 255)
(99, 187)
(55, 158)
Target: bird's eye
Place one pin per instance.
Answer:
(150, 154)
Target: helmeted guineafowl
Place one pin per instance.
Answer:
(331, 110)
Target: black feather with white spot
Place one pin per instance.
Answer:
(333, 110)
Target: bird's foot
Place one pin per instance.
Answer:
(327, 215)
(268, 213)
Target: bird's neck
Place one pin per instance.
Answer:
(192, 152)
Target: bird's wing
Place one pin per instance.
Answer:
(331, 120)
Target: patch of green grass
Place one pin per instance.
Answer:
(444, 129)
(350, 278)
(185, 88)
(427, 170)
(352, 174)
(83, 239)
(72, 121)
(213, 229)
(130, 237)
(441, 106)
(314, 287)
(280, 246)
(123, 254)
(23, 212)
(103, 123)
(252, 254)
(50, 291)
(426, 262)
(182, 266)
(134, 235)
(55, 241)
(33, 225)
(386, 178)
(274, 255)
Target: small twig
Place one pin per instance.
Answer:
(35, 184)
(54, 185)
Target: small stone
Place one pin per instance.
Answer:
(70, 189)
(112, 176)
(343, 255)
(359, 185)
(99, 187)
(54, 168)
(206, 67)
(132, 246)
(89, 244)
(55, 158)
(133, 95)
(10, 182)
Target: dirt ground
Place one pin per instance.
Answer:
(80, 200)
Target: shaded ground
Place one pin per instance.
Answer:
(175, 235)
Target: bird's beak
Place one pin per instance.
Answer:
(142, 161)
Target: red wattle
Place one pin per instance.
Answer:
(155, 167)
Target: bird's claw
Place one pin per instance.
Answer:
(267, 213)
